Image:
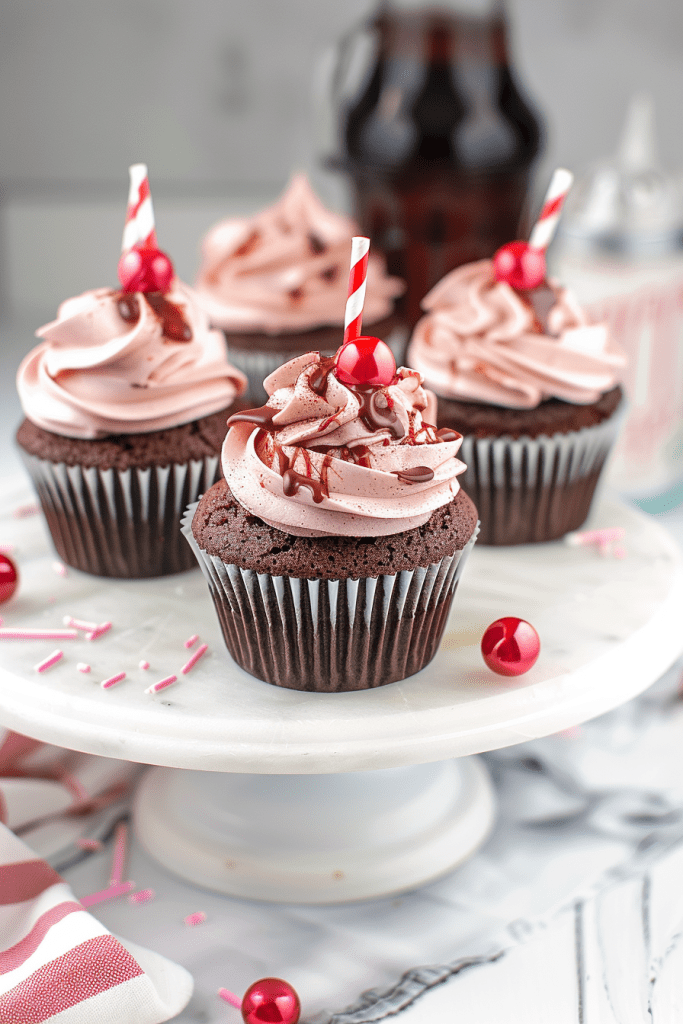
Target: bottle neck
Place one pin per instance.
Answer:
(443, 32)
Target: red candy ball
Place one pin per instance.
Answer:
(9, 578)
(365, 361)
(520, 266)
(145, 270)
(270, 1001)
(510, 646)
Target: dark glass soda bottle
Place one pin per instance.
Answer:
(436, 137)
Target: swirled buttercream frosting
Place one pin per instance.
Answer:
(482, 341)
(126, 363)
(325, 459)
(287, 269)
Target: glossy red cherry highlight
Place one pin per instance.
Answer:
(270, 1001)
(143, 269)
(365, 361)
(9, 578)
(510, 646)
(520, 266)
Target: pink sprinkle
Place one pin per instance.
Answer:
(83, 666)
(107, 894)
(89, 844)
(619, 551)
(49, 662)
(103, 627)
(119, 853)
(144, 896)
(113, 680)
(68, 620)
(144, 664)
(198, 918)
(194, 659)
(161, 685)
(230, 997)
(10, 633)
(60, 568)
(605, 536)
(24, 511)
(191, 640)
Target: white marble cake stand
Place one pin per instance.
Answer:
(277, 794)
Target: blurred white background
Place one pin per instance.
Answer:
(216, 97)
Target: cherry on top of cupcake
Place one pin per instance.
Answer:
(143, 269)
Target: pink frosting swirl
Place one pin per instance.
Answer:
(287, 269)
(115, 363)
(483, 341)
(323, 459)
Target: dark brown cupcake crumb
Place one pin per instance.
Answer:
(222, 527)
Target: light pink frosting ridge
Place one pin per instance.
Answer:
(324, 459)
(482, 341)
(287, 269)
(112, 363)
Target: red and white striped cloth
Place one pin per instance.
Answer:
(57, 962)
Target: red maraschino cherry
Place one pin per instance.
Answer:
(365, 361)
(520, 266)
(510, 646)
(145, 269)
(270, 1001)
(9, 578)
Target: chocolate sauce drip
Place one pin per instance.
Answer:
(128, 307)
(316, 244)
(446, 434)
(292, 482)
(415, 475)
(173, 324)
(318, 379)
(261, 417)
(377, 413)
(249, 244)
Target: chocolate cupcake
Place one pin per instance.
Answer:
(334, 545)
(126, 401)
(276, 284)
(533, 388)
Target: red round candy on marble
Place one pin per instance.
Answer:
(520, 266)
(510, 646)
(9, 578)
(270, 1001)
(365, 361)
(143, 269)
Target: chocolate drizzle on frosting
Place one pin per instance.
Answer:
(415, 475)
(173, 323)
(377, 412)
(261, 417)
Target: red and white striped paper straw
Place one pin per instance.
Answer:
(353, 318)
(139, 227)
(544, 228)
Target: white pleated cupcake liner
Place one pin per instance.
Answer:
(121, 523)
(331, 635)
(531, 489)
(256, 365)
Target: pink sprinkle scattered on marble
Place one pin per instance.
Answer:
(89, 844)
(24, 511)
(103, 627)
(49, 661)
(69, 620)
(161, 685)
(191, 640)
(144, 896)
(194, 659)
(112, 680)
(143, 664)
(83, 666)
(194, 919)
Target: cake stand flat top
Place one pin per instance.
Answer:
(609, 627)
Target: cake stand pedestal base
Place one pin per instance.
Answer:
(315, 838)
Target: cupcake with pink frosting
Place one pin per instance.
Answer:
(334, 543)
(534, 388)
(126, 401)
(276, 284)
